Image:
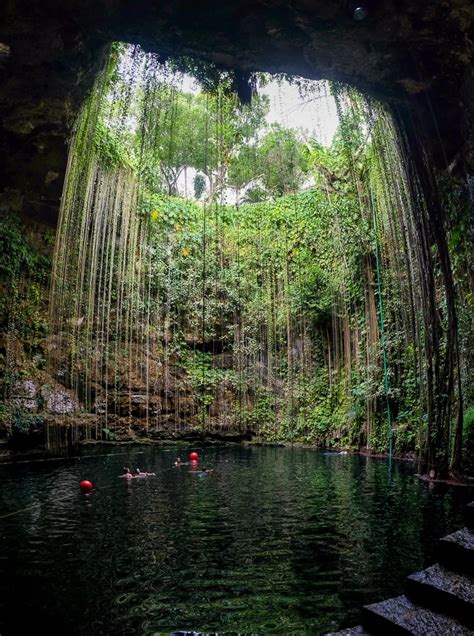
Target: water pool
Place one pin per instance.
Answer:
(273, 541)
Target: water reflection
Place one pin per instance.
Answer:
(273, 541)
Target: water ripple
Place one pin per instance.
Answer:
(274, 541)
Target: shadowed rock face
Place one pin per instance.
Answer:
(414, 54)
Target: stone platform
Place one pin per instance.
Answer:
(438, 601)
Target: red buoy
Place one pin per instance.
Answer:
(193, 456)
(85, 486)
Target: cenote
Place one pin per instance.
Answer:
(244, 230)
(273, 541)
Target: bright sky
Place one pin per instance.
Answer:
(315, 113)
(312, 111)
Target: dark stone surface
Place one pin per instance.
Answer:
(416, 55)
(400, 616)
(470, 516)
(444, 591)
(456, 551)
(439, 600)
(358, 630)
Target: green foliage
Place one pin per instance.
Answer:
(108, 435)
(21, 424)
(211, 78)
(469, 420)
(204, 378)
(199, 184)
(276, 164)
(16, 255)
(282, 160)
(468, 434)
(24, 274)
(285, 282)
(262, 418)
(311, 249)
(110, 151)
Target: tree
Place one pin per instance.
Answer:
(281, 158)
(203, 131)
(275, 165)
(199, 184)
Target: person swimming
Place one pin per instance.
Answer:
(138, 473)
(179, 463)
(126, 473)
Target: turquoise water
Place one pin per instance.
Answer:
(273, 541)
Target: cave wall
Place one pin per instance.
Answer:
(413, 54)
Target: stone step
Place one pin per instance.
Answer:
(401, 616)
(358, 630)
(456, 551)
(443, 591)
(469, 516)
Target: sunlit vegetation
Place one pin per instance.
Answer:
(251, 277)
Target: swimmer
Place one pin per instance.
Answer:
(126, 473)
(138, 473)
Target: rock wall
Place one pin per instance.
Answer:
(416, 55)
(37, 409)
(40, 412)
